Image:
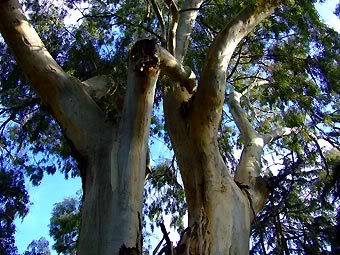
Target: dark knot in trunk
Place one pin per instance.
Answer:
(145, 55)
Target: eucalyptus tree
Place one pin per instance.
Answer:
(273, 64)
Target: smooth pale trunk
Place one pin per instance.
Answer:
(111, 216)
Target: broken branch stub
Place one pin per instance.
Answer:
(145, 56)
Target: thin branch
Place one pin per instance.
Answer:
(323, 158)
(122, 21)
(190, 9)
(278, 133)
(211, 29)
(237, 62)
(158, 246)
(168, 249)
(173, 26)
(160, 18)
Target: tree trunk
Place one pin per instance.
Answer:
(112, 156)
(111, 216)
(219, 212)
(220, 208)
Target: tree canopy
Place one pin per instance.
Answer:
(286, 73)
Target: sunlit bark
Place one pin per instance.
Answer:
(112, 156)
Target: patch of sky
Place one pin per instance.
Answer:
(53, 189)
(326, 11)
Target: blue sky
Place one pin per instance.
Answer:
(54, 189)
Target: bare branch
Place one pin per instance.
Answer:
(211, 90)
(159, 16)
(173, 27)
(237, 62)
(324, 160)
(176, 71)
(227, 40)
(185, 24)
(278, 133)
(240, 117)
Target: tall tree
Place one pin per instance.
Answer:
(273, 64)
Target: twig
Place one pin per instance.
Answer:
(158, 246)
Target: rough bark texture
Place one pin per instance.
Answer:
(113, 155)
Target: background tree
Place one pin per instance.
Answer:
(38, 247)
(13, 203)
(281, 79)
(65, 224)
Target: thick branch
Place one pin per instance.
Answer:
(133, 130)
(176, 71)
(76, 112)
(185, 24)
(249, 168)
(211, 90)
(225, 43)
(173, 27)
(240, 117)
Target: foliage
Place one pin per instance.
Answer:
(300, 216)
(13, 203)
(165, 195)
(65, 225)
(38, 247)
(288, 68)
